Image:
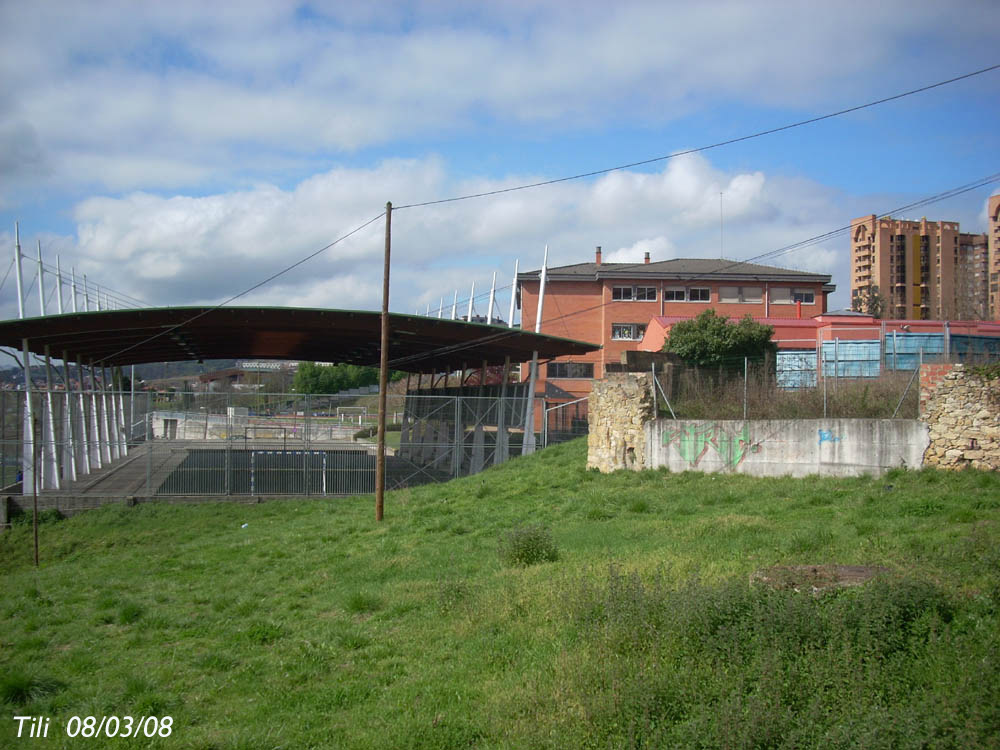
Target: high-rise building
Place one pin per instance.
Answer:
(993, 212)
(921, 270)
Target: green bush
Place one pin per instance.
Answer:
(528, 545)
(734, 665)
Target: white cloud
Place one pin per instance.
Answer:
(203, 250)
(156, 95)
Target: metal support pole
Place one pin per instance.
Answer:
(28, 467)
(59, 286)
(83, 459)
(746, 370)
(472, 297)
(19, 273)
(68, 433)
(383, 374)
(500, 448)
(529, 414)
(41, 281)
(51, 458)
(493, 294)
(513, 297)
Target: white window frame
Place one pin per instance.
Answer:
(633, 293)
(635, 331)
(692, 289)
(673, 290)
(802, 292)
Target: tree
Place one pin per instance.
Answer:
(712, 340)
(313, 378)
(869, 300)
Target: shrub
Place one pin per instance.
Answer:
(20, 688)
(372, 432)
(528, 545)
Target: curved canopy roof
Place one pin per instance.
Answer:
(171, 334)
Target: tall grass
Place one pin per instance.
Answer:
(313, 626)
(702, 394)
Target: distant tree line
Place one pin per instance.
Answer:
(315, 378)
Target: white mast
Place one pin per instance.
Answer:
(493, 295)
(59, 284)
(20, 273)
(513, 297)
(41, 281)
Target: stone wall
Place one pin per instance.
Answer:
(619, 407)
(962, 411)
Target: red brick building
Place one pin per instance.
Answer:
(611, 304)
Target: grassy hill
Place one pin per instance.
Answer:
(304, 624)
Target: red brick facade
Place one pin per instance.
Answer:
(581, 302)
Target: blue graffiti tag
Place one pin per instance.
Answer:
(827, 436)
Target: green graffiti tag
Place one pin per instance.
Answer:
(694, 440)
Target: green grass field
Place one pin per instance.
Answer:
(313, 627)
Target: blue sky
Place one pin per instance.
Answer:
(181, 152)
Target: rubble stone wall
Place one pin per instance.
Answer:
(962, 411)
(619, 408)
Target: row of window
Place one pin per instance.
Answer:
(627, 331)
(731, 294)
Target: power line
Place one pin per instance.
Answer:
(498, 335)
(699, 149)
(247, 291)
(574, 177)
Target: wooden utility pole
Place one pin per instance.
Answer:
(383, 373)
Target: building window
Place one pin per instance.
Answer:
(699, 294)
(579, 370)
(782, 295)
(674, 294)
(805, 296)
(740, 294)
(627, 331)
(633, 293)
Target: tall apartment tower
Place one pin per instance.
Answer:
(993, 211)
(924, 270)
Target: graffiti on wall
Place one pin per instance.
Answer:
(694, 440)
(827, 436)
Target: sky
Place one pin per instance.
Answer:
(182, 153)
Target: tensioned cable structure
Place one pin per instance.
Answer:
(258, 285)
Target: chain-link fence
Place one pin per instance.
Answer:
(148, 444)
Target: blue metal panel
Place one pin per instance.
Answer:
(796, 368)
(851, 359)
(903, 351)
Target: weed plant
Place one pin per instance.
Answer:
(702, 394)
(528, 545)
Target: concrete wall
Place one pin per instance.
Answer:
(800, 447)
(962, 410)
(625, 434)
(202, 426)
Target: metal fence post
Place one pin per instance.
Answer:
(459, 449)
(229, 443)
(149, 453)
(746, 370)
